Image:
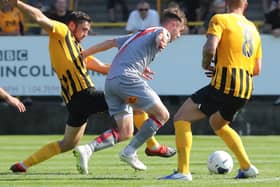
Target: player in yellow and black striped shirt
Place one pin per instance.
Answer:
(77, 88)
(234, 43)
(66, 60)
(235, 65)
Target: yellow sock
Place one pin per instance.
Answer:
(139, 119)
(183, 134)
(43, 154)
(233, 141)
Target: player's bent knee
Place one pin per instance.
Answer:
(164, 117)
(124, 135)
(67, 146)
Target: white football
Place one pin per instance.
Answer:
(220, 162)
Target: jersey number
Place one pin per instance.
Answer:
(247, 46)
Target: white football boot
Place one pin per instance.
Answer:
(133, 161)
(82, 154)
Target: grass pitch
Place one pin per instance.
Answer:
(106, 169)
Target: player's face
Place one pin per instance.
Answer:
(81, 30)
(176, 30)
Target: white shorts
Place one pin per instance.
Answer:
(123, 93)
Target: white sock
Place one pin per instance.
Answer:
(90, 146)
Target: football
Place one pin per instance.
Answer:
(220, 162)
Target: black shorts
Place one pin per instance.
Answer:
(211, 100)
(83, 104)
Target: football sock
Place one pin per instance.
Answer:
(183, 134)
(148, 129)
(233, 141)
(139, 120)
(43, 154)
(108, 139)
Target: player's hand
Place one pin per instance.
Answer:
(15, 102)
(210, 72)
(162, 40)
(148, 74)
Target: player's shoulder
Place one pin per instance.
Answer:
(220, 16)
(250, 23)
(219, 19)
(59, 29)
(160, 29)
(59, 25)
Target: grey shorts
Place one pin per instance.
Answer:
(123, 93)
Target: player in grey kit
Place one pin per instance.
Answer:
(125, 88)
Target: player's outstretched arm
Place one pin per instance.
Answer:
(12, 100)
(33, 13)
(103, 46)
(95, 64)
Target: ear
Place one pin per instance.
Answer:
(71, 26)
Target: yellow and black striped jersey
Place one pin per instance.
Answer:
(238, 49)
(67, 61)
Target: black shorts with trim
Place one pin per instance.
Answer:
(83, 104)
(211, 100)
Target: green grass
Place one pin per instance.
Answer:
(107, 170)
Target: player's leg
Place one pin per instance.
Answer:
(234, 142)
(197, 107)
(71, 138)
(125, 125)
(111, 137)
(139, 117)
(187, 113)
(107, 139)
(97, 103)
(74, 130)
(158, 116)
(154, 148)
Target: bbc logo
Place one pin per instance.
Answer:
(14, 55)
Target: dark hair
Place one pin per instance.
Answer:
(173, 13)
(78, 17)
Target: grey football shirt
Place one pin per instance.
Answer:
(136, 52)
